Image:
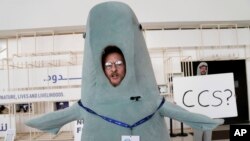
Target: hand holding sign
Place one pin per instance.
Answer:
(211, 95)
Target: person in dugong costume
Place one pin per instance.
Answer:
(132, 107)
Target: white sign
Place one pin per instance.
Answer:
(211, 95)
(6, 122)
(78, 130)
(130, 138)
(40, 95)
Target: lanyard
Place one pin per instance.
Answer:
(120, 123)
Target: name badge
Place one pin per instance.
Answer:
(130, 138)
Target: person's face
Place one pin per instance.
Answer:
(114, 68)
(203, 70)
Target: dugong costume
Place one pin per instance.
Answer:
(108, 112)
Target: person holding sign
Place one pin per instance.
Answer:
(202, 69)
(119, 98)
(200, 135)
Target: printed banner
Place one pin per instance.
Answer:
(40, 84)
(6, 122)
(40, 95)
(211, 95)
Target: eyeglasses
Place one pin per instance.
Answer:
(118, 64)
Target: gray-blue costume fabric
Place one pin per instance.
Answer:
(114, 23)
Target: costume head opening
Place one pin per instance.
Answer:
(111, 49)
(114, 65)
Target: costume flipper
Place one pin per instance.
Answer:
(194, 120)
(52, 122)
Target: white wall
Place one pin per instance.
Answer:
(197, 37)
(30, 14)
